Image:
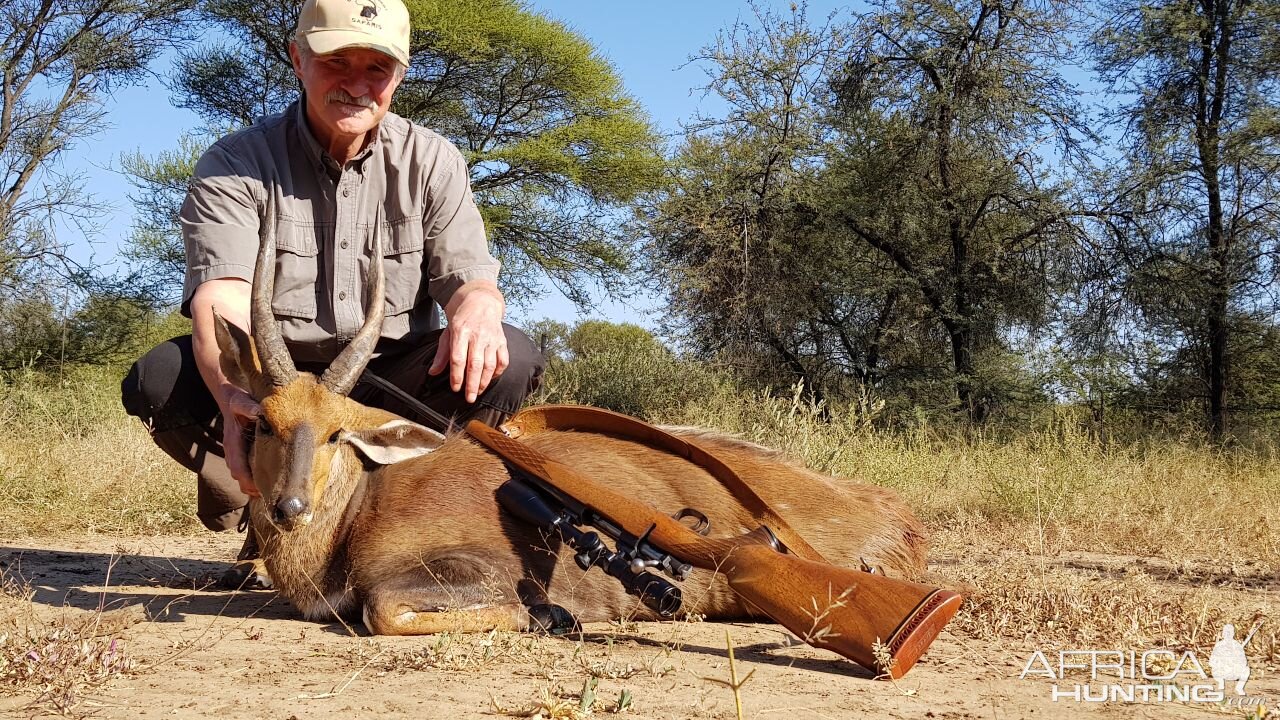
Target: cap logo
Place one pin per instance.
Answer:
(381, 25)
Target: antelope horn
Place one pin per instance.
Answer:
(272, 352)
(345, 369)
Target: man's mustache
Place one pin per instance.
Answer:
(341, 96)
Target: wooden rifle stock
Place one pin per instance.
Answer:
(846, 611)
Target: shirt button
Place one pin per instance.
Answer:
(342, 295)
(344, 244)
(346, 192)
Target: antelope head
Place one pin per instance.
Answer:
(310, 435)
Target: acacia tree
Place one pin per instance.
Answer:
(59, 59)
(155, 249)
(951, 110)
(754, 281)
(1200, 102)
(554, 144)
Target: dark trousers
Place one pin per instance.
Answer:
(165, 390)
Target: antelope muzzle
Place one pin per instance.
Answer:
(292, 508)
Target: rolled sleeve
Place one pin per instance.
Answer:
(455, 236)
(219, 221)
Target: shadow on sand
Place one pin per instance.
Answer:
(172, 589)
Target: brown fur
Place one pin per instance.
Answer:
(422, 545)
(442, 504)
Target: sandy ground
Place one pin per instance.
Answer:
(203, 652)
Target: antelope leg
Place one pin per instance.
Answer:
(454, 593)
(403, 613)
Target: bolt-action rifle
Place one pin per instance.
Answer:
(884, 624)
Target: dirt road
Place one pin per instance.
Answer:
(201, 652)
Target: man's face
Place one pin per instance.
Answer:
(348, 92)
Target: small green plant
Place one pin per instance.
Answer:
(733, 683)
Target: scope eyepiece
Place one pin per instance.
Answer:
(657, 594)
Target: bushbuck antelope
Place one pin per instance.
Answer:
(366, 514)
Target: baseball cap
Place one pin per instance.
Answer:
(331, 25)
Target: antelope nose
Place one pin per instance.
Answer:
(288, 508)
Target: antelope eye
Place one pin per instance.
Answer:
(264, 427)
(335, 436)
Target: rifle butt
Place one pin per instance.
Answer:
(846, 611)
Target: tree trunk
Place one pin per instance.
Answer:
(1215, 47)
(959, 327)
(796, 365)
(961, 337)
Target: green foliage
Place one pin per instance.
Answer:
(754, 282)
(160, 185)
(622, 367)
(894, 209)
(875, 209)
(952, 112)
(595, 337)
(1194, 225)
(61, 61)
(104, 330)
(554, 144)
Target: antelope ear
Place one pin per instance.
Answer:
(394, 441)
(238, 358)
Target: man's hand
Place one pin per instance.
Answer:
(473, 345)
(239, 413)
(231, 297)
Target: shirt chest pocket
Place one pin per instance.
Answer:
(402, 259)
(297, 270)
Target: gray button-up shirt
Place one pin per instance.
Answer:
(410, 184)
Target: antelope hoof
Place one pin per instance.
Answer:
(246, 575)
(552, 619)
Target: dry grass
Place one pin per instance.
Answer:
(555, 703)
(1074, 605)
(1053, 489)
(1017, 518)
(460, 652)
(556, 663)
(72, 461)
(58, 663)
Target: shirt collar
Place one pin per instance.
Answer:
(319, 156)
(314, 152)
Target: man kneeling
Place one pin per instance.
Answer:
(338, 167)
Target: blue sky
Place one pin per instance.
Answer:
(648, 43)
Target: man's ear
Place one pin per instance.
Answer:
(394, 441)
(238, 357)
(295, 58)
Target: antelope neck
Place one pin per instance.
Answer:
(339, 564)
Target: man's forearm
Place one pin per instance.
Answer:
(231, 299)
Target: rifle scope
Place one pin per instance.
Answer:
(657, 594)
